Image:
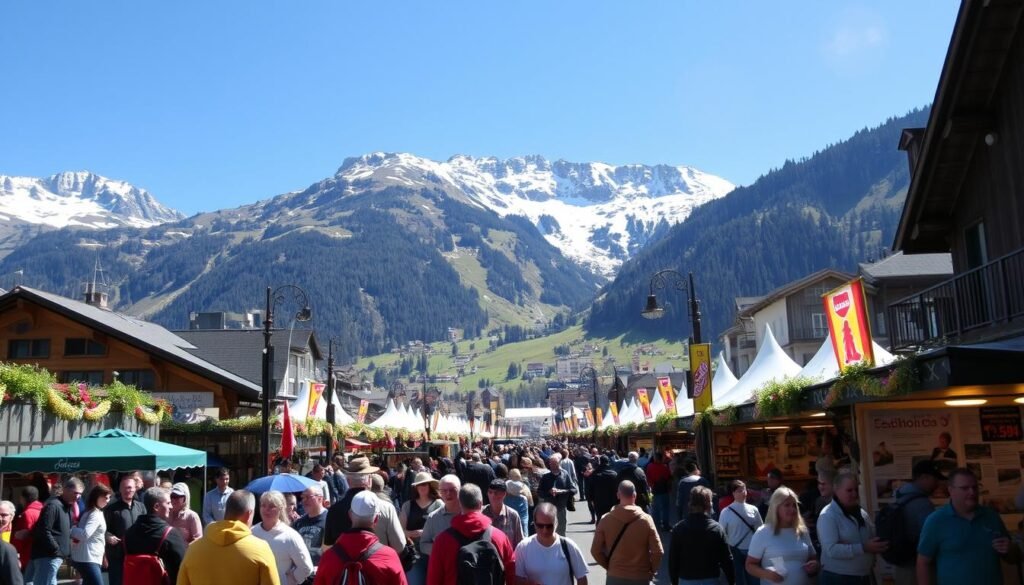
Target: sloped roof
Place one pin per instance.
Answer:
(241, 350)
(771, 363)
(900, 264)
(149, 336)
(794, 286)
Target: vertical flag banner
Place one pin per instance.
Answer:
(494, 417)
(848, 325)
(589, 414)
(315, 392)
(363, 406)
(437, 419)
(615, 412)
(700, 366)
(645, 403)
(667, 394)
(600, 418)
(287, 434)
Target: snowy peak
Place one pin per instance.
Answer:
(80, 199)
(597, 214)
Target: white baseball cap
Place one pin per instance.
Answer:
(365, 504)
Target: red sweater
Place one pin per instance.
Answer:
(442, 556)
(25, 521)
(382, 568)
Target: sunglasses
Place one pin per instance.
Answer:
(544, 526)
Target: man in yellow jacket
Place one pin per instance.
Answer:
(228, 553)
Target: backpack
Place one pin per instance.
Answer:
(891, 525)
(354, 567)
(477, 561)
(146, 569)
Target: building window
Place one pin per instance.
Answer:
(83, 347)
(141, 379)
(819, 325)
(28, 348)
(975, 246)
(90, 377)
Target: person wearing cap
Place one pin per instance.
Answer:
(414, 516)
(387, 528)
(471, 524)
(915, 503)
(381, 567)
(187, 522)
(502, 517)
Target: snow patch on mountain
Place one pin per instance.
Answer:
(596, 214)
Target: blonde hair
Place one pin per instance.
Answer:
(276, 499)
(514, 475)
(779, 497)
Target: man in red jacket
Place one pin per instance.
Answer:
(660, 480)
(470, 523)
(21, 535)
(381, 567)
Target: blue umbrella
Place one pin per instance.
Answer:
(282, 482)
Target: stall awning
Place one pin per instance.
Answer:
(109, 450)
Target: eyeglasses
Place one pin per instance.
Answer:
(544, 526)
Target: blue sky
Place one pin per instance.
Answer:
(216, 104)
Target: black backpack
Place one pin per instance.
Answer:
(478, 561)
(891, 525)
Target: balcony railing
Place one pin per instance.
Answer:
(989, 296)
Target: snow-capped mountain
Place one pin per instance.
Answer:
(596, 214)
(80, 199)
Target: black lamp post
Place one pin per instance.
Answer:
(673, 279)
(589, 373)
(304, 314)
(329, 392)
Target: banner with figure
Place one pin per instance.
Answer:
(700, 368)
(645, 403)
(600, 418)
(589, 414)
(848, 325)
(667, 394)
(363, 406)
(315, 392)
(615, 412)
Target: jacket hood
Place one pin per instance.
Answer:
(226, 532)
(908, 489)
(188, 494)
(470, 524)
(626, 513)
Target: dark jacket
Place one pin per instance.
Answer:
(338, 520)
(480, 474)
(701, 542)
(51, 536)
(686, 485)
(120, 517)
(636, 475)
(144, 537)
(604, 486)
(561, 481)
(10, 571)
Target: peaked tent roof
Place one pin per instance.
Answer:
(771, 363)
(724, 379)
(149, 336)
(109, 450)
(823, 366)
(298, 408)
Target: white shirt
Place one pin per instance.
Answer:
(732, 520)
(547, 564)
(91, 534)
(794, 552)
(293, 561)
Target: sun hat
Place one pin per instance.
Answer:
(424, 477)
(360, 465)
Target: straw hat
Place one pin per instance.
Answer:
(360, 466)
(424, 477)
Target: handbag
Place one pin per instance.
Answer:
(409, 555)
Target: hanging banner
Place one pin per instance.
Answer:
(667, 394)
(645, 403)
(494, 417)
(600, 418)
(363, 406)
(700, 366)
(315, 392)
(589, 414)
(615, 412)
(848, 325)
(437, 419)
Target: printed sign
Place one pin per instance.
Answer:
(187, 404)
(700, 364)
(667, 394)
(364, 405)
(645, 403)
(1000, 423)
(848, 325)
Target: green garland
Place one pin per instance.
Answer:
(780, 397)
(901, 380)
(665, 420)
(724, 416)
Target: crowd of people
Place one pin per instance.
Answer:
(498, 514)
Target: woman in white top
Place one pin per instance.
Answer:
(781, 550)
(293, 561)
(89, 536)
(848, 542)
(740, 521)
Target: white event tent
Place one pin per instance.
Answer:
(771, 363)
(298, 408)
(823, 366)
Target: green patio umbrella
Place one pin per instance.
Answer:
(109, 450)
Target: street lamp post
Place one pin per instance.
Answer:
(675, 280)
(304, 314)
(329, 447)
(588, 372)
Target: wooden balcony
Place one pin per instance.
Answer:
(980, 304)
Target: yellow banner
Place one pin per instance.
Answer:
(315, 392)
(589, 414)
(700, 366)
(645, 403)
(600, 418)
(363, 406)
(848, 325)
(615, 412)
(437, 419)
(667, 394)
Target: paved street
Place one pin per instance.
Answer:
(581, 531)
